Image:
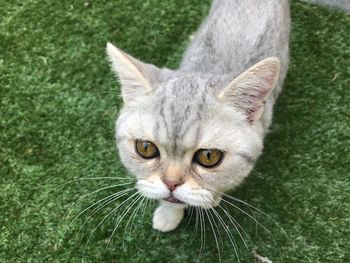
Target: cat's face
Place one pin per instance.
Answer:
(180, 136)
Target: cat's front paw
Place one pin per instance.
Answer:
(167, 218)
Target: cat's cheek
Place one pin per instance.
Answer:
(193, 194)
(230, 174)
(214, 179)
(152, 188)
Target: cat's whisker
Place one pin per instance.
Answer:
(202, 227)
(86, 209)
(250, 216)
(247, 214)
(235, 224)
(201, 231)
(112, 199)
(132, 217)
(195, 230)
(189, 216)
(148, 201)
(122, 217)
(109, 92)
(91, 193)
(204, 232)
(254, 219)
(243, 211)
(143, 204)
(105, 202)
(109, 201)
(214, 233)
(105, 218)
(269, 217)
(208, 200)
(228, 232)
(260, 211)
(107, 178)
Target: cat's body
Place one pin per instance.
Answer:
(191, 134)
(238, 34)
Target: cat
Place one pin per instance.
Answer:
(191, 134)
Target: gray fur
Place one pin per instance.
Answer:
(238, 34)
(342, 4)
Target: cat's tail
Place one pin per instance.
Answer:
(342, 4)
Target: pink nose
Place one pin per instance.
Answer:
(172, 184)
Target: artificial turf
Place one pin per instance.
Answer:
(59, 101)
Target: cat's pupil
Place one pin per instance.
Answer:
(208, 154)
(145, 146)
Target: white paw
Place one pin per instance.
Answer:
(167, 218)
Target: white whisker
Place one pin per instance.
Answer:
(82, 212)
(104, 219)
(235, 223)
(255, 220)
(132, 217)
(214, 233)
(195, 230)
(122, 217)
(202, 225)
(189, 216)
(229, 234)
(91, 193)
(262, 212)
(105, 202)
(148, 201)
(108, 178)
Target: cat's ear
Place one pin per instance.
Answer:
(136, 77)
(250, 90)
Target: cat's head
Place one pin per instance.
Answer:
(189, 137)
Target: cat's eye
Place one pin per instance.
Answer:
(208, 158)
(146, 149)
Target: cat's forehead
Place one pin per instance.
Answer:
(180, 105)
(183, 85)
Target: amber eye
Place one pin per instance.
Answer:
(208, 158)
(146, 149)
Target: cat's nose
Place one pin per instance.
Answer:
(172, 184)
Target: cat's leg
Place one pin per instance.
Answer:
(167, 217)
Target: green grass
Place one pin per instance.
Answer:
(59, 102)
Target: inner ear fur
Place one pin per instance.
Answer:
(136, 77)
(250, 90)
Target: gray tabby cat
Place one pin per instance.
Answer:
(188, 135)
(191, 134)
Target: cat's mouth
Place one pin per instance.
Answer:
(172, 199)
